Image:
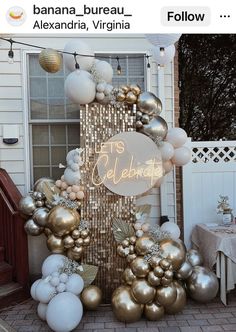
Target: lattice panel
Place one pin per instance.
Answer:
(98, 124)
(214, 154)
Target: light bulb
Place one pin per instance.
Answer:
(162, 51)
(11, 57)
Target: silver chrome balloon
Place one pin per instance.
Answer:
(185, 271)
(156, 129)
(40, 216)
(202, 285)
(32, 228)
(194, 257)
(149, 103)
(27, 205)
(145, 119)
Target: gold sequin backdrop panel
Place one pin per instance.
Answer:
(100, 207)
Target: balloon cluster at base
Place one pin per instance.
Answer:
(61, 292)
(160, 271)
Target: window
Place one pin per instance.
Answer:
(54, 121)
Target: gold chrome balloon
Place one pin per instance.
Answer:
(84, 233)
(40, 216)
(91, 297)
(128, 276)
(75, 253)
(130, 98)
(75, 234)
(68, 242)
(47, 231)
(135, 89)
(55, 244)
(120, 96)
(27, 205)
(125, 89)
(50, 60)
(179, 302)
(40, 183)
(125, 308)
(166, 295)
(132, 239)
(153, 280)
(142, 291)
(185, 271)
(87, 241)
(131, 257)
(169, 274)
(165, 264)
(154, 261)
(139, 267)
(62, 220)
(79, 242)
(32, 228)
(174, 251)
(165, 281)
(121, 251)
(149, 103)
(158, 271)
(153, 311)
(143, 245)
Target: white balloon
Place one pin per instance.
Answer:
(79, 47)
(54, 281)
(63, 277)
(64, 312)
(101, 87)
(33, 289)
(168, 166)
(177, 137)
(181, 156)
(55, 274)
(41, 310)
(163, 57)
(80, 87)
(108, 89)
(75, 284)
(52, 264)
(44, 291)
(104, 71)
(171, 228)
(61, 287)
(100, 96)
(163, 39)
(167, 151)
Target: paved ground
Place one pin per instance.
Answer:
(195, 317)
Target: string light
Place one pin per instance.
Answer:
(148, 63)
(118, 66)
(11, 53)
(162, 51)
(76, 62)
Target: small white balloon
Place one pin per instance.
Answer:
(75, 284)
(64, 312)
(167, 151)
(52, 264)
(103, 70)
(108, 89)
(181, 156)
(44, 291)
(139, 233)
(101, 87)
(61, 287)
(100, 96)
(80, 87)
(33, 289)
(159, 182)
(80, 47)
(168, 166)
(54, 281)
(55, 274)
(63, 277)
(42, 310)
(177, 137)
(171, 228)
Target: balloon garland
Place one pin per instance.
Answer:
(159, 272)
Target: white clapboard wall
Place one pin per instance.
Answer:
(211, 172)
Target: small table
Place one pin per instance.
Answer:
(217, 244)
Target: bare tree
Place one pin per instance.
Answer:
(207, 68)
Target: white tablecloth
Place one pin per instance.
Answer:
(218, 246)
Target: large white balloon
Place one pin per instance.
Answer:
(167, 166)
(171, 228)
(163, 39)
(80, 47)
(167, 151)
(177, 137)
(75, 284)
(41, 310)
(181, 156)
(44, 291)
(52, 264)
(163, 56)
(80, 87)
(103, 71)
(64, 312)
(33, 289)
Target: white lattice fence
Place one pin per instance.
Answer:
(211, 172)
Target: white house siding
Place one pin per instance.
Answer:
(13, 109)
